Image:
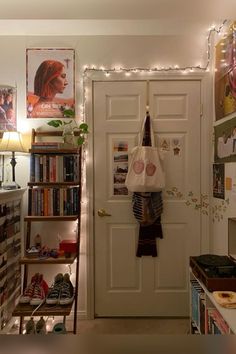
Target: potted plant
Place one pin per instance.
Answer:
(68, 130)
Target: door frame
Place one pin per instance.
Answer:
(205, 156)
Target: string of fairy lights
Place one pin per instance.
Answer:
(141, 70)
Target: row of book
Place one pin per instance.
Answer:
(216, 324)
(53, 201)
(198, 305)
(206, 320)
(54, 168)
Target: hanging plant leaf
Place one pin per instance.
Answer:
(80, 140)
(68, 113)
(84, 127)
(55, 123)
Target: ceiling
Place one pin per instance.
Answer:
(112, 17)
(196, 10)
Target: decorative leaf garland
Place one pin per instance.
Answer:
(202, 205)
(219, 209)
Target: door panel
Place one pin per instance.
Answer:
(148, 286)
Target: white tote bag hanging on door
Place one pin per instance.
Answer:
(145, 173)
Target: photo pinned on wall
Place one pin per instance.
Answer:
(7, 108)
(225, 74)
(219, 180)
(50, 83)
(164, 144)
(120, 167)
(176, 145)
(225, 141)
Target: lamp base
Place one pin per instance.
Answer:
(10, 185)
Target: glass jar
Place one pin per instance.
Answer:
(68, 134)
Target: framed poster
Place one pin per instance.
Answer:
(7, 108)
(225, 75)
(50, 82)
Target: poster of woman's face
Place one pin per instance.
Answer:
(7, 108)
(50, 83)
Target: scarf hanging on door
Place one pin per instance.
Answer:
(147, 209)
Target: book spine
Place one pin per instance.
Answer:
(40, 168)
(30, 201)
(37, 168)
(32, 168)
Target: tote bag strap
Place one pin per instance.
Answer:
(147, 122)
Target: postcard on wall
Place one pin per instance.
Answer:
(219, 180)
(120, 167)
(50, 83)
(225, 75)
(7, 108)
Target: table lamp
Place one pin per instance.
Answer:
(11, 141)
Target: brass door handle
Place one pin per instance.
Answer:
(102, 212)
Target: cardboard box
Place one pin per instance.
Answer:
(68, 246)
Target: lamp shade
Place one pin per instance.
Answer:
(11, 141)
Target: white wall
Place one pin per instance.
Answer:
(107, 51)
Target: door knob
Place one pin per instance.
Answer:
(102, 212)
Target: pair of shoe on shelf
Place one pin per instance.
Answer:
(62, 291)
(36, 292)
(38, 328)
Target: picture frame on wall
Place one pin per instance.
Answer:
(50, 82)
(219, 180)
(7, 108)
(225, 74)
(225, 141)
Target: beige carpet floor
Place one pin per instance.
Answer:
(134, 326)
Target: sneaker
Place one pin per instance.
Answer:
(30, 327)
(28, 293)
(54, 292)
(38, 296)
(40, 291)
(43, 283)
(59, 328)
(32, 252)
(41, 326)
(67, 291)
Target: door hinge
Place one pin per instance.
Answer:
(201, 110)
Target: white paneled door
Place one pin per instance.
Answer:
(126, 285)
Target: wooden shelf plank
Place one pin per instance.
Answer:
(50, 260)
(51, 184)
(44, 310)
(51, 218)
(54, 151)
